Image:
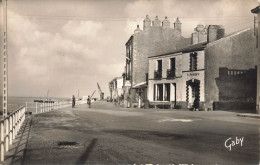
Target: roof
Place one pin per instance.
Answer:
(231, 35)
(256, 10)
(195, 47)
(140, 85)
(129, 39)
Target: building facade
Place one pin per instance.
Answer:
(176, 79)
(218, 74)
(156, 38)
(257, 32)
(116, 89)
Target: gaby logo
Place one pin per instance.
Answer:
(229, 143)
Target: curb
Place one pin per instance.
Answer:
(249, 115)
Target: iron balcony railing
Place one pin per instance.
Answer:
(157, 74)
(171, 73)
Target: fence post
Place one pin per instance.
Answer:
(36, 108)
(14, 126)
(2, 141)
(19, 122)
(7, 134)
(26, 106)
(11, 129)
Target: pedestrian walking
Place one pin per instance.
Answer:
(196, 104)
(89, 102)
(73, 101)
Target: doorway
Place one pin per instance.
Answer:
(193, 93)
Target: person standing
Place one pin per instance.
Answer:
(73, 101)
(89, 102)
(196, 104)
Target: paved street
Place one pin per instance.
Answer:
(106, 134)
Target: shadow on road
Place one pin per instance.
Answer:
(84, 157)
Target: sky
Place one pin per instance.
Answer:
(67, 46)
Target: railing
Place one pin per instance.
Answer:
(12, 123)
(9, 129)
(171, 73)
(236, 72)
(157, 74)
(232, 72)
(41, 107)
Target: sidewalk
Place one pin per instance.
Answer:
(17, 150)
(249, 115)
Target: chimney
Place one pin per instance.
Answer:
(147, 23)
(215, 32)
(177, 25)
(166, 23)
(137, 29)
(156, 22)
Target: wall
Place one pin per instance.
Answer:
(199, 74)
(154, 41)
(236, 51)
(183, 74)
(237, 89)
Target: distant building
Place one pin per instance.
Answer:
(156, 38)
(116, 89)
(257, 32)
(218, 71)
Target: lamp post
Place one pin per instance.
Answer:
(3, 53)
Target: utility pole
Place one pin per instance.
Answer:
(254, 25)
(3, 53)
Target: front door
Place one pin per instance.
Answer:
(193, 92)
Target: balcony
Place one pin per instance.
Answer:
(157, 74)
(171, 74)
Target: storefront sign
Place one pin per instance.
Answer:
(192, 74)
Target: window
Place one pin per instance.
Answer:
(159, 65)
(193, 61)
(171, 71)
(172, 64)
(158, 71)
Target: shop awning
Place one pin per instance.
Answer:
(140, 85)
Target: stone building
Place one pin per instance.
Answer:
(219, 73)
(157, 37)
(116, 88)
(257, 32)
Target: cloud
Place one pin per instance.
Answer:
(62, 61)
(81, 29)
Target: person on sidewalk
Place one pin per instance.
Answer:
(196, 104)
(73, 101)
(89, 102)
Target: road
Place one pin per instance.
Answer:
(105, 134)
